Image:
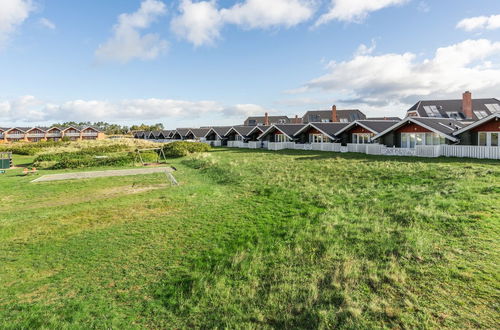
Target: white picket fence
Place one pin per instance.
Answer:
(353, 147)
(480, 152)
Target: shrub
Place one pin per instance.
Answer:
(94, 162)
(180, 149)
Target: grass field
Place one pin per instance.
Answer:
(256, 239)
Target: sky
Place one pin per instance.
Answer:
(190, 63)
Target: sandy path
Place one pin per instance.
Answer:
(101, 174)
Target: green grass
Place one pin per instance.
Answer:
(255, 239)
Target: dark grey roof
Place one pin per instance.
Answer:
(272, 119)
(183, 131)
(319, 115)
(288, 129)
(244, 130)
(330, 129)
(445, 106)
(384, 118)
(491, 117)
(221, 130)
(200, 132)
(444, 126)
(376, 126)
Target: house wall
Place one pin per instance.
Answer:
(412, 128)
(346, 136)
(304, 136)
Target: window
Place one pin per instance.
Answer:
(482, 138)
(495, 107)
(481, 114)
(432, 111)
(280, 138)
(318, 138)
(454, 115)
(410, 140)
(325, 120)
(361, 138)
(314, 118)
(489, 139)
(252, 122)
(344, 120)
(282, 121)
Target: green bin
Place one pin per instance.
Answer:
(4, 164)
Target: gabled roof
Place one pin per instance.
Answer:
(374, 126)
(445, 106)
(477, 123)
(288, 129)
(73, 127)
(220, 131)
(43, 129)
(262, 129)
(347, 114)
(442, 126)
(182, 131)
(329, 129)
(199, 132)
(22, 129)
(384, 118)
(167, 133)
(242, 131)
(272, 119)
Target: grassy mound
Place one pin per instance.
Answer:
(180, 149)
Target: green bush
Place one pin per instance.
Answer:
(94, 162)
(181, 149)
(32, 148)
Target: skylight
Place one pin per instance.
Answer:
(495, 107)
(454, 115)
(432, 111)
(481, 114)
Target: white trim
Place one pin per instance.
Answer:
(312, 125)
(364, 126)
(234, 129)
(270, 127)
(416, 122)
(477, 123)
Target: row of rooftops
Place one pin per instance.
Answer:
(446, 127)
(464, 109)
(47, 129)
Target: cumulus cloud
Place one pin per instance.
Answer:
(12, 14)
(201, 22)
(354, 10)
(244, 110)
(379, 79)
(46, 23)
(127, 42)
(30, 109)
(480, 23)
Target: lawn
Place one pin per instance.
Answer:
(256, 239)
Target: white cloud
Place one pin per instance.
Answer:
(29, 109)
(12, 14)
(45, 22)
(127, 43)
(354, 10)
(479, 23)
(380, 79)
(244, 110)
(201, 22)
(254, 14)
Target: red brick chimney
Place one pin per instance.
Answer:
(467, 105)
(297, 120)
(266, 119)
(334, 118)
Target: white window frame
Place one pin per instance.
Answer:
(318, 138)
(280, 138)
(411, 140)
(488, 141)
(361, 138)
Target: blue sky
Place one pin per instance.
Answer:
(192, 63)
